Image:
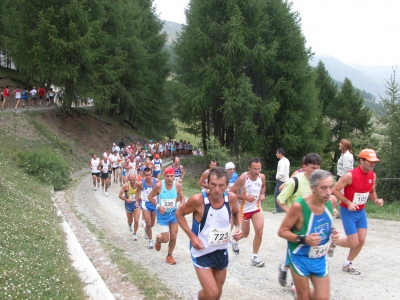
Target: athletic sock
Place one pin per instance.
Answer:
(283, 269)
(255, 255)
(347, 262)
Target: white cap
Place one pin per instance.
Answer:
(229, 165)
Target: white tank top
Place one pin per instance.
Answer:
(105, 166)
(203, 189)
(214, 228)
(133, 169)
(252, 188)
(95, 163)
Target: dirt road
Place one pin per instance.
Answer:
(379, 260)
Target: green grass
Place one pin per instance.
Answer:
(194, 140)
(33, 254)
(389, 211)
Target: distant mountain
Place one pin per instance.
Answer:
(171, 28)
(380, 73)
(339, 71)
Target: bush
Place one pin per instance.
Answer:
(47, 165)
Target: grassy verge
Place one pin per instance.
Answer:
(151, 286)
(33, 254)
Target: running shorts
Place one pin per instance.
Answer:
(104, 175)
(130, 207)
(219, 259)
(247, 216)
(353, 220)
(304, 266)
(98, 174)
(147, 205)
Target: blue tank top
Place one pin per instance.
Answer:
(178, 172)
(214, 227)
(167, 198)
(146, 190)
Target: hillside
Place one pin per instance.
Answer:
(171, 28)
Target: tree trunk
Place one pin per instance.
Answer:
(69, 93)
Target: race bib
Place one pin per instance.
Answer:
(145, 197)
(158, 167)
(360, 198)
(318, 251)
(133, 197)
(169, 204)
(219, 236)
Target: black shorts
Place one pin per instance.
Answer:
(98, 174)
(218, 259)
(104, 175)
(114, 168)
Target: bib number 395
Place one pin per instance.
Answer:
(218, 236)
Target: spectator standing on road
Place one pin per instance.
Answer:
(33, 93)
(282, 175)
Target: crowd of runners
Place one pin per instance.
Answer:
(227, 203)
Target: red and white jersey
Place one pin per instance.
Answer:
(251, 188)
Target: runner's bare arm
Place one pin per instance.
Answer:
(263, 188)
(237, 220)
(154, 192)
(344, 181)
(181, 197)
(139, 188)
(374, 196)
(183, 172)
(236, 187)
(121, 195)
(202, 179)
(193, 205)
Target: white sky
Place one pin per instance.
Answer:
(354, 31)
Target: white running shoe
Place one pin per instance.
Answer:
(235, 247)
(130, 227)
(256, 261)
(95, 189)
(293, 290)
(151, 245)
(134, 237)
(106, 194)
(142, 223)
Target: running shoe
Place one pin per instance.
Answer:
(106, 194)
(95, 189)
(142, 223)
(134, 237)
(98, 185)
(169, 259)
(293, 290)
(151, 245)
(256, 261)
(282, 276)
(130, 227)
(352, 270)
(235, 247)
(157, 246)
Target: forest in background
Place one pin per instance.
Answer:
(238, 73)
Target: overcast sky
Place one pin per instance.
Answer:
(354, 31)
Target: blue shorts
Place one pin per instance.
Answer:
(155, 173)
(304, 266)
(353, 220)
(147, 205)
(130, 207)
(218, 259)
(166, 218)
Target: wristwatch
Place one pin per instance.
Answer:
(238, 226)
(301, 239)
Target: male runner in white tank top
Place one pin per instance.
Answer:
(250, 188)
(210, 233)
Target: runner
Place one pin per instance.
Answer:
(179, 171)
(169, 192)
(233, 176)
(104, 167)
(115, 164)
(6, 94)
(203, 182)
(17, 92)
(132, 204)
(143, 190)
(358, 185)
(210, 234)
(33, 93)
(93, 164)
(41, 93)
(130, 164)
(121, 170)
(308, 229)
(291, 192)
(250, 187)
(25, 98)
(157, 162)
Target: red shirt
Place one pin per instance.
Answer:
(6, 93)
(41, 91)
(361, 183)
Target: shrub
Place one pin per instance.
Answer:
(47, 165)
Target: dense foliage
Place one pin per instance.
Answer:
(110, 50)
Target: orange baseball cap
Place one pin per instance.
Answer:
(369, 154)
